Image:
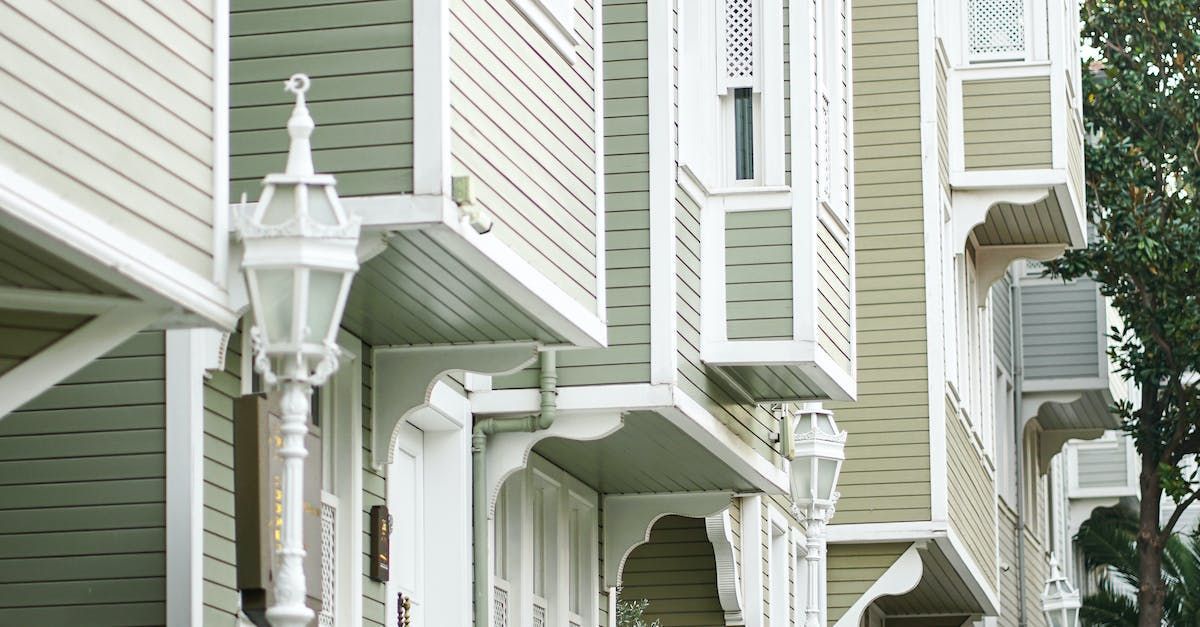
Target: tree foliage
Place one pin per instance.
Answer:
(1108, 540)
(1142, 112)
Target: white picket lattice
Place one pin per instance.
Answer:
(539, 616)
(996, 29)
(499, 607)
(739, 41)
(328, 563)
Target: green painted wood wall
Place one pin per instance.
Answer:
(220, 553)
(853, 568)
(833, 296)
(26, 333)
(888, 450)
(1002, 330)
(758, 275)
(359, 55)
(1037, 564)
(523, 128)
(627, 213)
(677, 572)
(1006, 124)
(82, 496)
(374, 493)
(1060, 330)
(110, 108)
(971, 495)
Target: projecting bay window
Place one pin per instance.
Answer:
(545, 557)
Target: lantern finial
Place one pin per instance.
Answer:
(300, 127)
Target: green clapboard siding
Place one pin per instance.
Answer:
(359, 55)
(1002, 330)
(886, 474)
(82, 496)
(853, 568)
(676, 572)
(1006, 124)
(1037, 570)
(1060, 330)
(374, 493)
(751, 423)
(833, 294)
(220, 560)
(758, 275)
(110, 108)
(523, 128)
(627, 214)
(971, 491)
(26, 333)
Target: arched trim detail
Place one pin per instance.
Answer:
(628, 519)
(970, 207)
(900, 578)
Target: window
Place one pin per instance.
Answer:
(545, 533)
(738, 86)
(996, 30)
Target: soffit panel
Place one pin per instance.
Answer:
(23, 264)
(646, 455)
(941, 591)
(1010, 224)
(24, 334)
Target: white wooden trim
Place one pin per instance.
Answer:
(557, 29)
(186, 353)
(629, 518)
(1004, 179)
(447, 514)
(900, 578)
(31, 299)
(719, 530)
(220, 131)
(113, 255)
(663, 356)
(53, 364)
(601, 200)
(769, 26)
(872, 533)
(346, 427)
(752, 560)
(431, 98)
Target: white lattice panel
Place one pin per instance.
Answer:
(997, 29)
(328, 561)
(539, 616)
(739, 41)
(824, 147)
(499, 607)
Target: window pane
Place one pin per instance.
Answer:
(743, 133)
(576, 565)
(539, 543)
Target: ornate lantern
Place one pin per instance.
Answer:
(819, 450)
(1060, 601)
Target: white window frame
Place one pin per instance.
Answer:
(777, 569)
(555, 20)
(1030, 35)
(514, 538)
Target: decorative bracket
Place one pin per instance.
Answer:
(404, 378)
(900, 578)
(970, 207)
(628, 519)
(509, 452)
(719, 528)
(991, 262)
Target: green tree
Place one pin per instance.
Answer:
(1142, 108)
(1108, 540)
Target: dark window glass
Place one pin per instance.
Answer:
(743, 133)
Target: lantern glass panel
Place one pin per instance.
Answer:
(826, 472)
(825, 424)
(802, 478)
(281, 206)
(323, 290)
(276, 295)
(320, 207)
(1056, 618)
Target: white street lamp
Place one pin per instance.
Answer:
(1060, 601)
(819, 451)
(298, 263)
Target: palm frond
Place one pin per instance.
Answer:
(1109, 608)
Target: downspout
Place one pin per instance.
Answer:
(548, 386)
(1018, 444)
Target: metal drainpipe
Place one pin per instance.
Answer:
(548, 386)
(1019, 445)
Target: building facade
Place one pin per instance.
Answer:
(614, 254)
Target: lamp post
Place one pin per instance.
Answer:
(299, 260)
(819, 452)
(1060, 601)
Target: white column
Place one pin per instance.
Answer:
(289, 609)
(185, 357)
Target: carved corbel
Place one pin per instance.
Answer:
(719, 528)
(970, 207)
(628, 519)
(991, 262)
(900, 578)
(404, 380)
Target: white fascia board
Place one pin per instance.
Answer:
(57, 224)
(1006, 179)
(1057, 385)
(601, 189)
(875, 533)
(668, 400)
(835, 382)
(220, 132)
(973, 576)
(660, 113)
(1001, 71)
(934, 245)
(30, 299)
(185, 372)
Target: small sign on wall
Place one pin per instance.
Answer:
(381, 528)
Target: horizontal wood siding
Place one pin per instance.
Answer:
(886, 474)
(82, 496)
(627, 214)
(676, 571)
(833, 296)
(758, 275)
(943, 119)
(1036, 571)
(110, 107)
(971, 491)
(1006, 124)
(1002, 331)
(751, 423)
(522, 127)
(853, 568)
(1059, 330)
(1074, 147)
(27, 333)
(1103, 467)
(374, 493)
(220, 557)
(359, 55)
